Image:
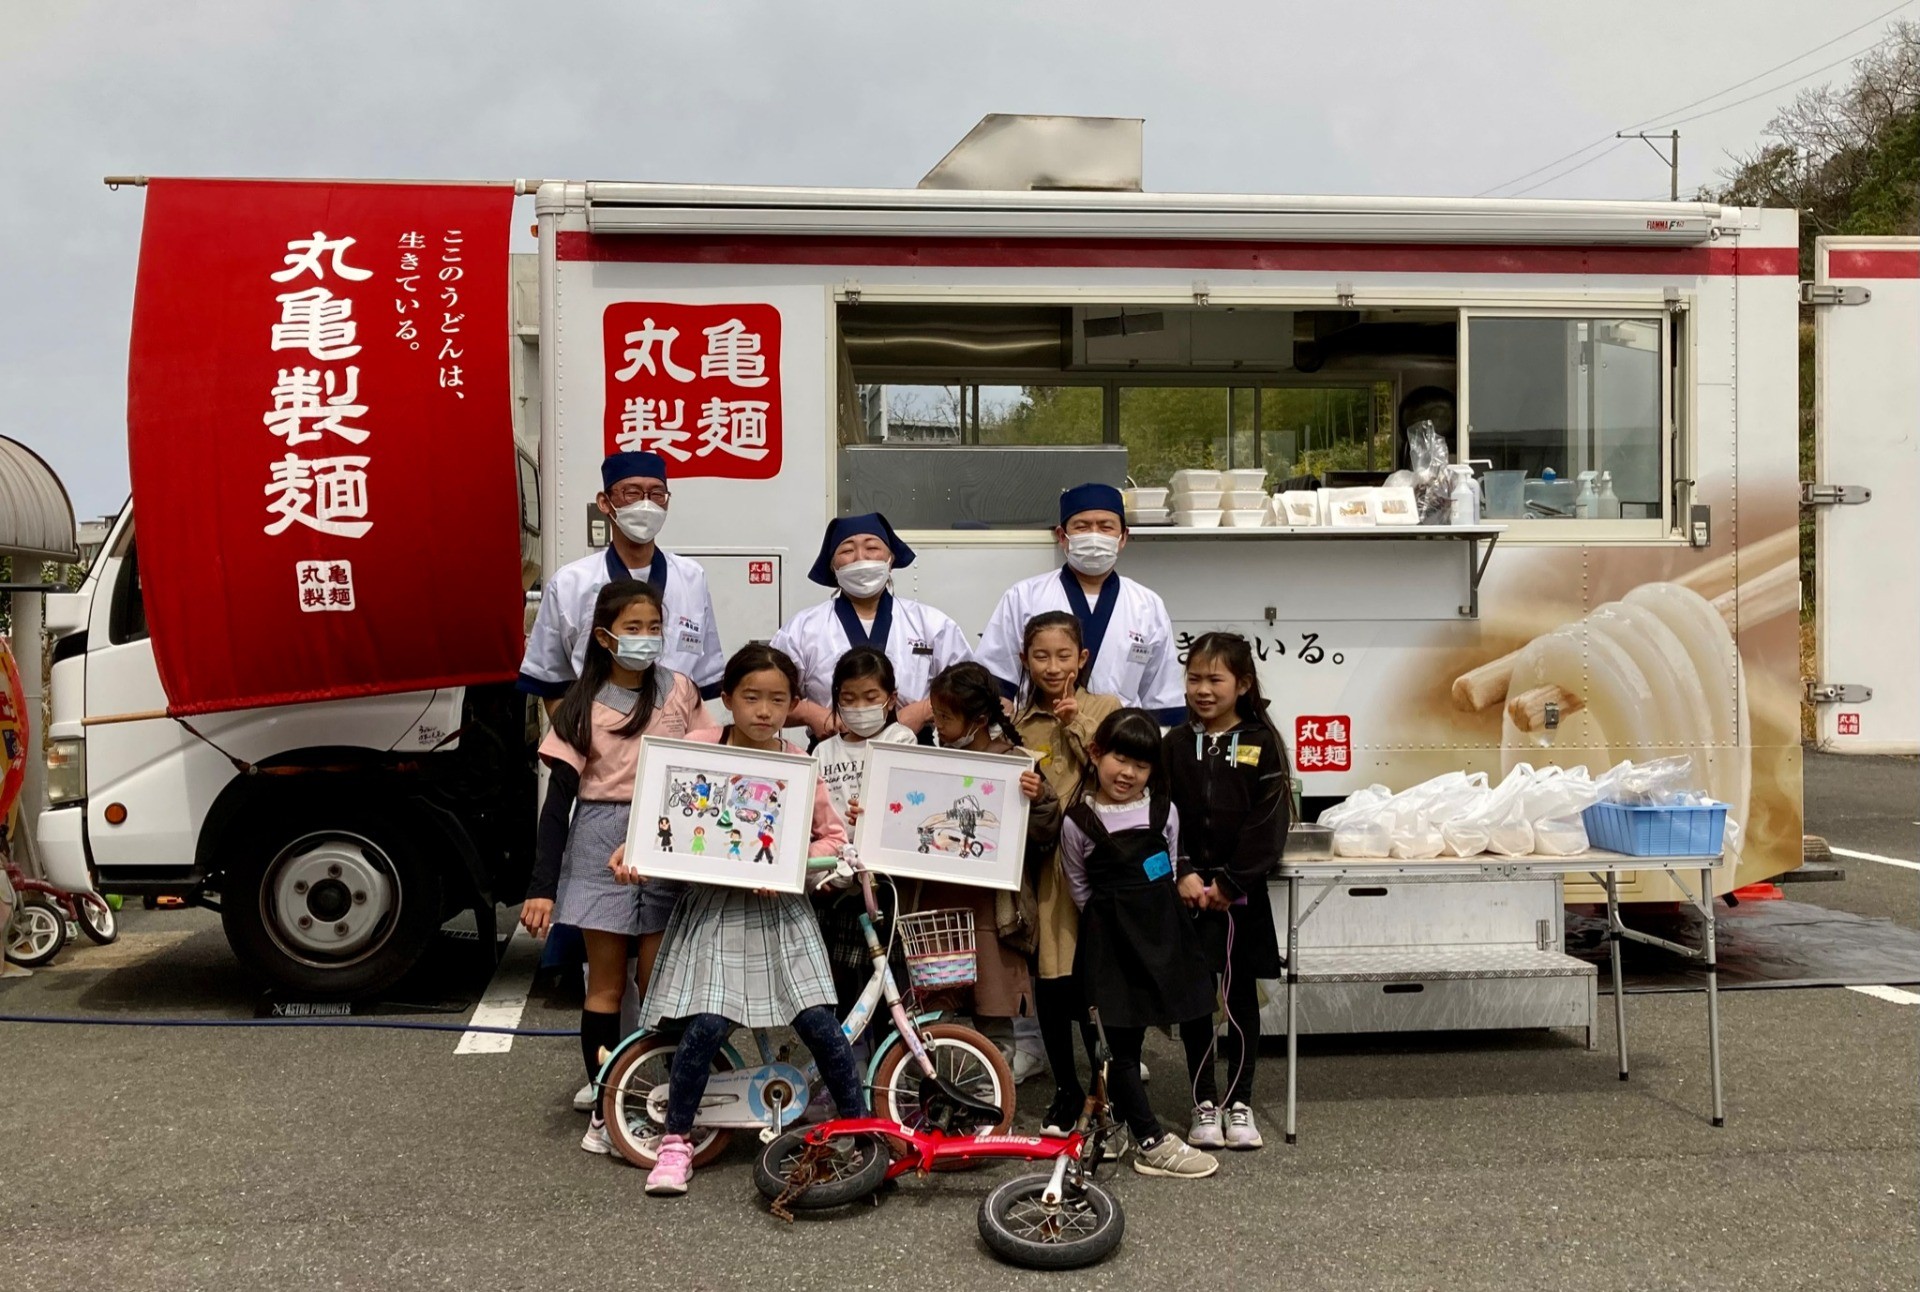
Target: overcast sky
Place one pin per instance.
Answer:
(1282, 96)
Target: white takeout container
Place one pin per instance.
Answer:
(1134, 498)
(1244, 518)
(1204, 518)
(1193, 479)
(1149, 516)
(1241, 499)
(1195, 500)
(1254, 478)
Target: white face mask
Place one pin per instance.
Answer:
(863, 579)
(1092, 554)
(641, 521)
(964, 742)
(865, 722)
(639, 652)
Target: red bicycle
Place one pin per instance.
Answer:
(1059, 1219)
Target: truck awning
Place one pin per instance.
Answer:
(36, 517)
(714, 209)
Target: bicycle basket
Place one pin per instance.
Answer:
(940, 949)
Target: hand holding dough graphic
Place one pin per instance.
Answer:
(1655, 674)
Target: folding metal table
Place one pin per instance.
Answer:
(1388, 965)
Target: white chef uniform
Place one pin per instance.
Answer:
(1127, 633)
(557, 647)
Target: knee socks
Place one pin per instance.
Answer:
(598, 1031)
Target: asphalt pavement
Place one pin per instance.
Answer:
(173, 1158)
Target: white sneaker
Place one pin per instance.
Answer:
(1204, 1130)
(1172, 1156)
(1241, 1132)
(595, 1140)
(585, 1098)
(1025, 1064)
(1144, 1078)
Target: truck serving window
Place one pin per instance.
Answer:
(1570, 412)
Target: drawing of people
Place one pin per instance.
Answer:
(666, 835)
(733, 845)
(766, 845)
(966, 813)
(702, 793)
(699, 844)
(926, 837)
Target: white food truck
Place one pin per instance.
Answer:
(1027, 319)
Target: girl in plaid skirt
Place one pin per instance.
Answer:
(734, 957)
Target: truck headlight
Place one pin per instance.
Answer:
(66, 771)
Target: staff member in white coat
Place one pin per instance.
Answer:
(1128, 635)
(634, 499)
(858, 556)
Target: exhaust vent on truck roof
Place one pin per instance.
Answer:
(1009, 152)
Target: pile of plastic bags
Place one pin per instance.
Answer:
(1534, 811)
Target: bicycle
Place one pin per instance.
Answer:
(1056, 1220)
(771, 1095)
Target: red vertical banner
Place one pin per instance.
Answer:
(15, 732)
(319, 421)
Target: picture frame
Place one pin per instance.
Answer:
(949, 815)
(719, 814)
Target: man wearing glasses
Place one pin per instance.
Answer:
(634, 500)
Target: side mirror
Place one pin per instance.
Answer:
(66, 612)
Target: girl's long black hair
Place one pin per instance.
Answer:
(1236, 653)
(970, 691)
(863, 662)
(1130, 733)
(573, 720)
(1054, 619)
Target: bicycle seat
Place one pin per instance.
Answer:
(943, 1105)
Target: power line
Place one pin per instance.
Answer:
(1804, 76)
(1569, 170)
(1697, 102)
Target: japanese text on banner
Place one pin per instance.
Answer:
(697, 384)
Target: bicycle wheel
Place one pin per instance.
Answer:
(38, 932)
(1020, 1228)
(95, 917)
(623, 1104)
(854, 1168)
(967, 1061)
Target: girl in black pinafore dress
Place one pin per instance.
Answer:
(1139, 959)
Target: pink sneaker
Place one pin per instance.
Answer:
(673, 1168)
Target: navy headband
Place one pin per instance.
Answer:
(625, 466)
(842, 528)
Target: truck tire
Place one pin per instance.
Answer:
(336, 900)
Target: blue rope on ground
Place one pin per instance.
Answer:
(390, 1024)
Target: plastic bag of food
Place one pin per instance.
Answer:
(1659, 783)
(1421, 813)
(1432, 486)
(1495, 823)
(1554, 803)
(1360, 826)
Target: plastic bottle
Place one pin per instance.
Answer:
(1585, 506)
(1463, 497)
(1607, 505)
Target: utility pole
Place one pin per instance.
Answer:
(1672, 159)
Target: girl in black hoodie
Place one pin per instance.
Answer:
(1230, 779)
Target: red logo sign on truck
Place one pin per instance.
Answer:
(1323, 743)
(697, 384)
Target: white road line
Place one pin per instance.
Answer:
(506, 998)
(1874, 856)
(1893, 994)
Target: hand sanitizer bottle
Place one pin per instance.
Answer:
(1607, 505)
(1585, 506)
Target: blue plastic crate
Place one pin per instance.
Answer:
(1657, 831)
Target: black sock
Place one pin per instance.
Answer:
(597, 1032)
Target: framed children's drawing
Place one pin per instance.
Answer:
(717, 814)
(944, 814)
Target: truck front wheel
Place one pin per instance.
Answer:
(337, 903)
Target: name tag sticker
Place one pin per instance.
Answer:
(1249, 754)
(922, 648)
(1158, 866)
(1139, 653)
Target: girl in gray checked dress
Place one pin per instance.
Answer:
(750, 958)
